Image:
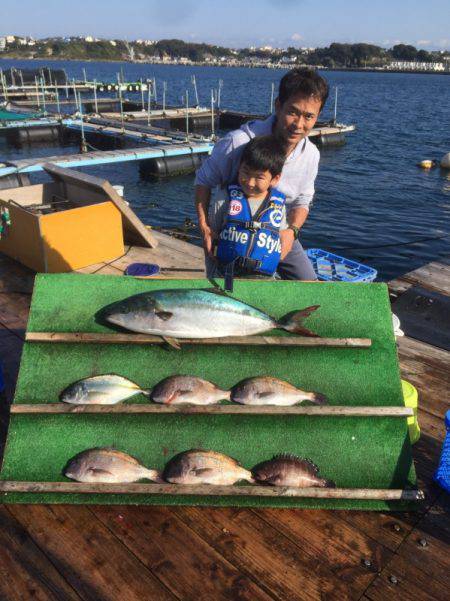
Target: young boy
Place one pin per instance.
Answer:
(248, 216)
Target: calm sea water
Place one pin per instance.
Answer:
(372, 203)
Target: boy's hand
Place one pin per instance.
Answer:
(287, 238)
(208, 236)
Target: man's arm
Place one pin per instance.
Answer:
(202, 198)
(214, 171)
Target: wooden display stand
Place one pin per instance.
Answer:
(75, 221)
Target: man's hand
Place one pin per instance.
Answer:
(287, 239)
(208, 236)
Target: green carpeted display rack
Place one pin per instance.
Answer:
(355, 452)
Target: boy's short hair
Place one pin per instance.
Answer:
(264, 153)
(305, 82)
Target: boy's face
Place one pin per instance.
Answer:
(254, 182)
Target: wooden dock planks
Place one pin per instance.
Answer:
(58, 552)
(29, 574)
(91, 558)
(163, 542)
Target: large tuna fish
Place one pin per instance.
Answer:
(196, 313)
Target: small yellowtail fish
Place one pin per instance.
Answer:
(290, 470)
(204, 467)
(176, 390)
(108, 465)
(266, 390)
(108, 389)
(196, 313)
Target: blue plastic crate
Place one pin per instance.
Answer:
(333, 268)
(442, 475)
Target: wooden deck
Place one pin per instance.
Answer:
(140, 553)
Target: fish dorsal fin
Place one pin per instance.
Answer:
(217, 455)
(218, 291)
(286, 383)
(305, 463)
(125, 381)
(121, 455)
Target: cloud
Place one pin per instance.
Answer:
(444, 43)
(423, 42)
(296, 37)
(165, 14)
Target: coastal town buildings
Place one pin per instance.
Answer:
(415, 66)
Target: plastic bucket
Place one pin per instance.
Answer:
(411, 399)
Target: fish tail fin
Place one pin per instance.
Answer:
(319, 399)
(324, 483)
(224, 394)
(247, 475)
(292, 322)
(146, 391)
(153, 475)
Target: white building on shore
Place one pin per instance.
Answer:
(415, 66)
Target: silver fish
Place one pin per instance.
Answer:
(108, 465)
(196, 313)
(266, 390)
(290, 470)
(108, 389)
(204, 467)
(175, 390)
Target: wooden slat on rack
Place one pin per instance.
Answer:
(52, 408)
(388, 494)
(119, 338)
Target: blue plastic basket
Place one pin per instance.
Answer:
(333, 268)
(442, 476)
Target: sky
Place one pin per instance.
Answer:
(237, 23)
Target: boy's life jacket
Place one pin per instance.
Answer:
(251, 244)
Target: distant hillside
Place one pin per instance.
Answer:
(333, 56)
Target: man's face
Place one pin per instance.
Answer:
(295, 118)
(254, 182)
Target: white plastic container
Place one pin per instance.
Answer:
(396, 323)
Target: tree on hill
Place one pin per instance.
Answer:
(404, 52)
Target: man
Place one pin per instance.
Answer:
(302, 94)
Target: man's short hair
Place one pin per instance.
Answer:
(304, 82)
(264, 153)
